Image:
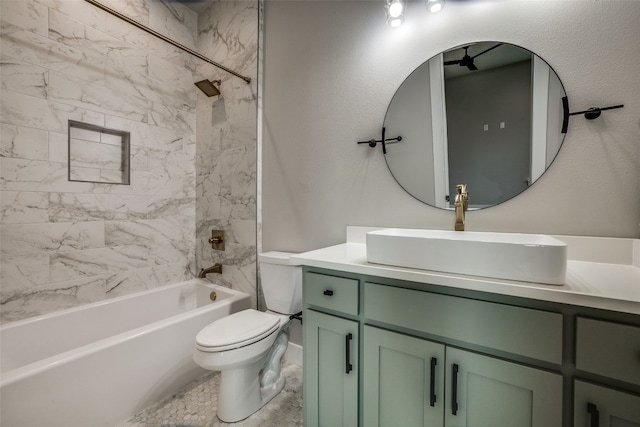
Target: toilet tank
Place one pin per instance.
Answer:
(281, 282)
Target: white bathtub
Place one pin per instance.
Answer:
(99, 364)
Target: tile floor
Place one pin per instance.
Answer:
(195, 406)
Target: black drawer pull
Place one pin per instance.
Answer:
(432, 382)
(348, 365)
(594, 415)
(328, 292)
(454, 389)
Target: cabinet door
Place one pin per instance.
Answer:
(488, 392)
(330, 371)
(403, 380)
(596, 406)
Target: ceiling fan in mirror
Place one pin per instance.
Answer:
(467, 60)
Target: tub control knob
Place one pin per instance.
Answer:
(217, 239)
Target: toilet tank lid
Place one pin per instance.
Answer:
(276, 257)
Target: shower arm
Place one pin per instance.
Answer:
(166, 39)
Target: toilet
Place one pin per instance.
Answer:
(247, 346)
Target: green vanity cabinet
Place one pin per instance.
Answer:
(405, 378)
(331, 377)
(598, 406)
(385, 352)
(535, 334)
(487, 391)
(608, 349)
(611, 352)
(481, 390)
(331, 357)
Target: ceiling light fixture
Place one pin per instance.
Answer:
(434, 6)
(394, 10)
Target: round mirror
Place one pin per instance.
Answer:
(486, 114)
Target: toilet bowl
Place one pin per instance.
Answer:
(247, 346)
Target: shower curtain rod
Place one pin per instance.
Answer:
(166, 39)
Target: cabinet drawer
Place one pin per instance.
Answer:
(608, 349)
(527, 332)
(331, 292)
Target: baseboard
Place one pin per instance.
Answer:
(293, 354)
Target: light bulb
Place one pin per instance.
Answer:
(434, 6)
(395, 9)
(395, 22)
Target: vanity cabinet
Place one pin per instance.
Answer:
(599, 406)
(401, 377)
(610, 351)
(405, 378)
(331, 355)
(530, 333)
(331, 352)
(331, 293)
(487, 391)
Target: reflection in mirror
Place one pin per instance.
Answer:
(487, 114)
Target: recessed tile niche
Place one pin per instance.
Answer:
(98, 154)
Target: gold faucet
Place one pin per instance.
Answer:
(460, 204)
(216, 268)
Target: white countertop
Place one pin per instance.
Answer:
(603, 285)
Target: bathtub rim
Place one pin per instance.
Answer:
(40, 317)
(9, 377)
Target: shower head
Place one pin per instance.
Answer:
(209, 87)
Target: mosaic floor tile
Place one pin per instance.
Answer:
(195, 406)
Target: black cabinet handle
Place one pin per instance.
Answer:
(454, 389)
(594, 415)
(328, 292)
(432, 384)
(348, 365)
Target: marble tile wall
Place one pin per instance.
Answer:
(66, 243)
(226, 143)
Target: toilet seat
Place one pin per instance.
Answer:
(237, 330)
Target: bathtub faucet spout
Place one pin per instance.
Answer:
(216, 268)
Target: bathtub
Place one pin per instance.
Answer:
(99, 364)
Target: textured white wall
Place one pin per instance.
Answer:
(331, 69)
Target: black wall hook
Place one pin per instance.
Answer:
(589, 114)
(373, 142)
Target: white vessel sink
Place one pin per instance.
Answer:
(526, 257)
